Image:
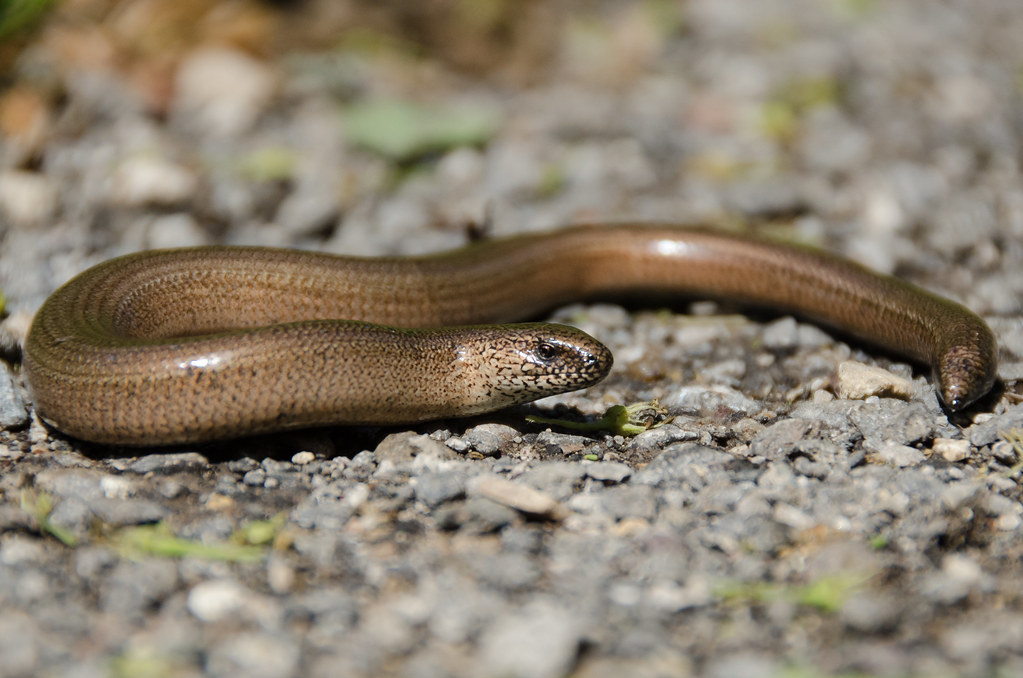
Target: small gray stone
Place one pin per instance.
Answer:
(951, 450)
(490, 439)
(561, 444)
(133, 587)
(362, 462)
(857, 381)
(538, 641)
(959, 576)
(890, 452)
(517, 496)
(608, 471)
(682, 461)
(434, 489)
(630, 501)
(243, 465)
(657, 438)
(396, 447)
(331, 608)
(835, 414)
(1005, 452)
(1000, 505)
(389, 626)
(781, 334)
(460, 445)
(303, 458)
(329, 550)
(764, 195)
(176, 230)
(812, 336)
(528, 539)
(559, 479)
(508, 571)
(779, 439)
(975, 639)
(72, 513)
(960, 495)
(793, 518)
(856, 458)
(778, 477)
(811, 469)
(276, 466)
(27, 199)
(896, 421)
(477, 514)
(990, 431)
(91, 562)
(118, 512)
(18, 551)
(307, 209)
(169, 463)
(144, 180)
(326, 508)
(221, 91)
(12, 408)
(756, 534)
(401, 448)
(709, 400)
(217, 599)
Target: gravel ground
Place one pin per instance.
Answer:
(769, 528)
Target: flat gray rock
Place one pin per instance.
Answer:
(13, 413)
(437, 488)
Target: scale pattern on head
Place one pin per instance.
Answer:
(523, 362)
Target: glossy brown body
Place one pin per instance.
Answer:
(99, 344)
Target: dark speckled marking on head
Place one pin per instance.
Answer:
(522, 362)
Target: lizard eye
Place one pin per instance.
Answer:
(546, 351)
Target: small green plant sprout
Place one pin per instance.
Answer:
(158, 540)
(40, 506)
(626, 420)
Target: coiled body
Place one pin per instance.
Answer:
(195, 344)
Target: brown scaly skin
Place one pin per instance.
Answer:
(189, 345)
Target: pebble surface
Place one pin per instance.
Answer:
(806, 507)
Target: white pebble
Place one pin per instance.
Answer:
(952, 450)
(149, 180)
(212, 601)
(302, 458)
(517, 496)
(115, 487)
(176, 230)
(857, 381)
(1007, 522)
(26, 198)
(890, 452)
(222, 91)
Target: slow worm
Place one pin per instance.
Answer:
(188, 345)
